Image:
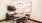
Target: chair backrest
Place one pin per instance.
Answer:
(11, 8)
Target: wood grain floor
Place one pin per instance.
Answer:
(9, 22)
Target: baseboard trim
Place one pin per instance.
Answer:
(34, 20)
(3, 20)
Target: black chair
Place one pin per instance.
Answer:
(10, 9)
(21, 20)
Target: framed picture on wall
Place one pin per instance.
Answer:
(28, 7)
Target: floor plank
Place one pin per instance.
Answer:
(26, 22)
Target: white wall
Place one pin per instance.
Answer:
(3, 10)
(36, 10)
